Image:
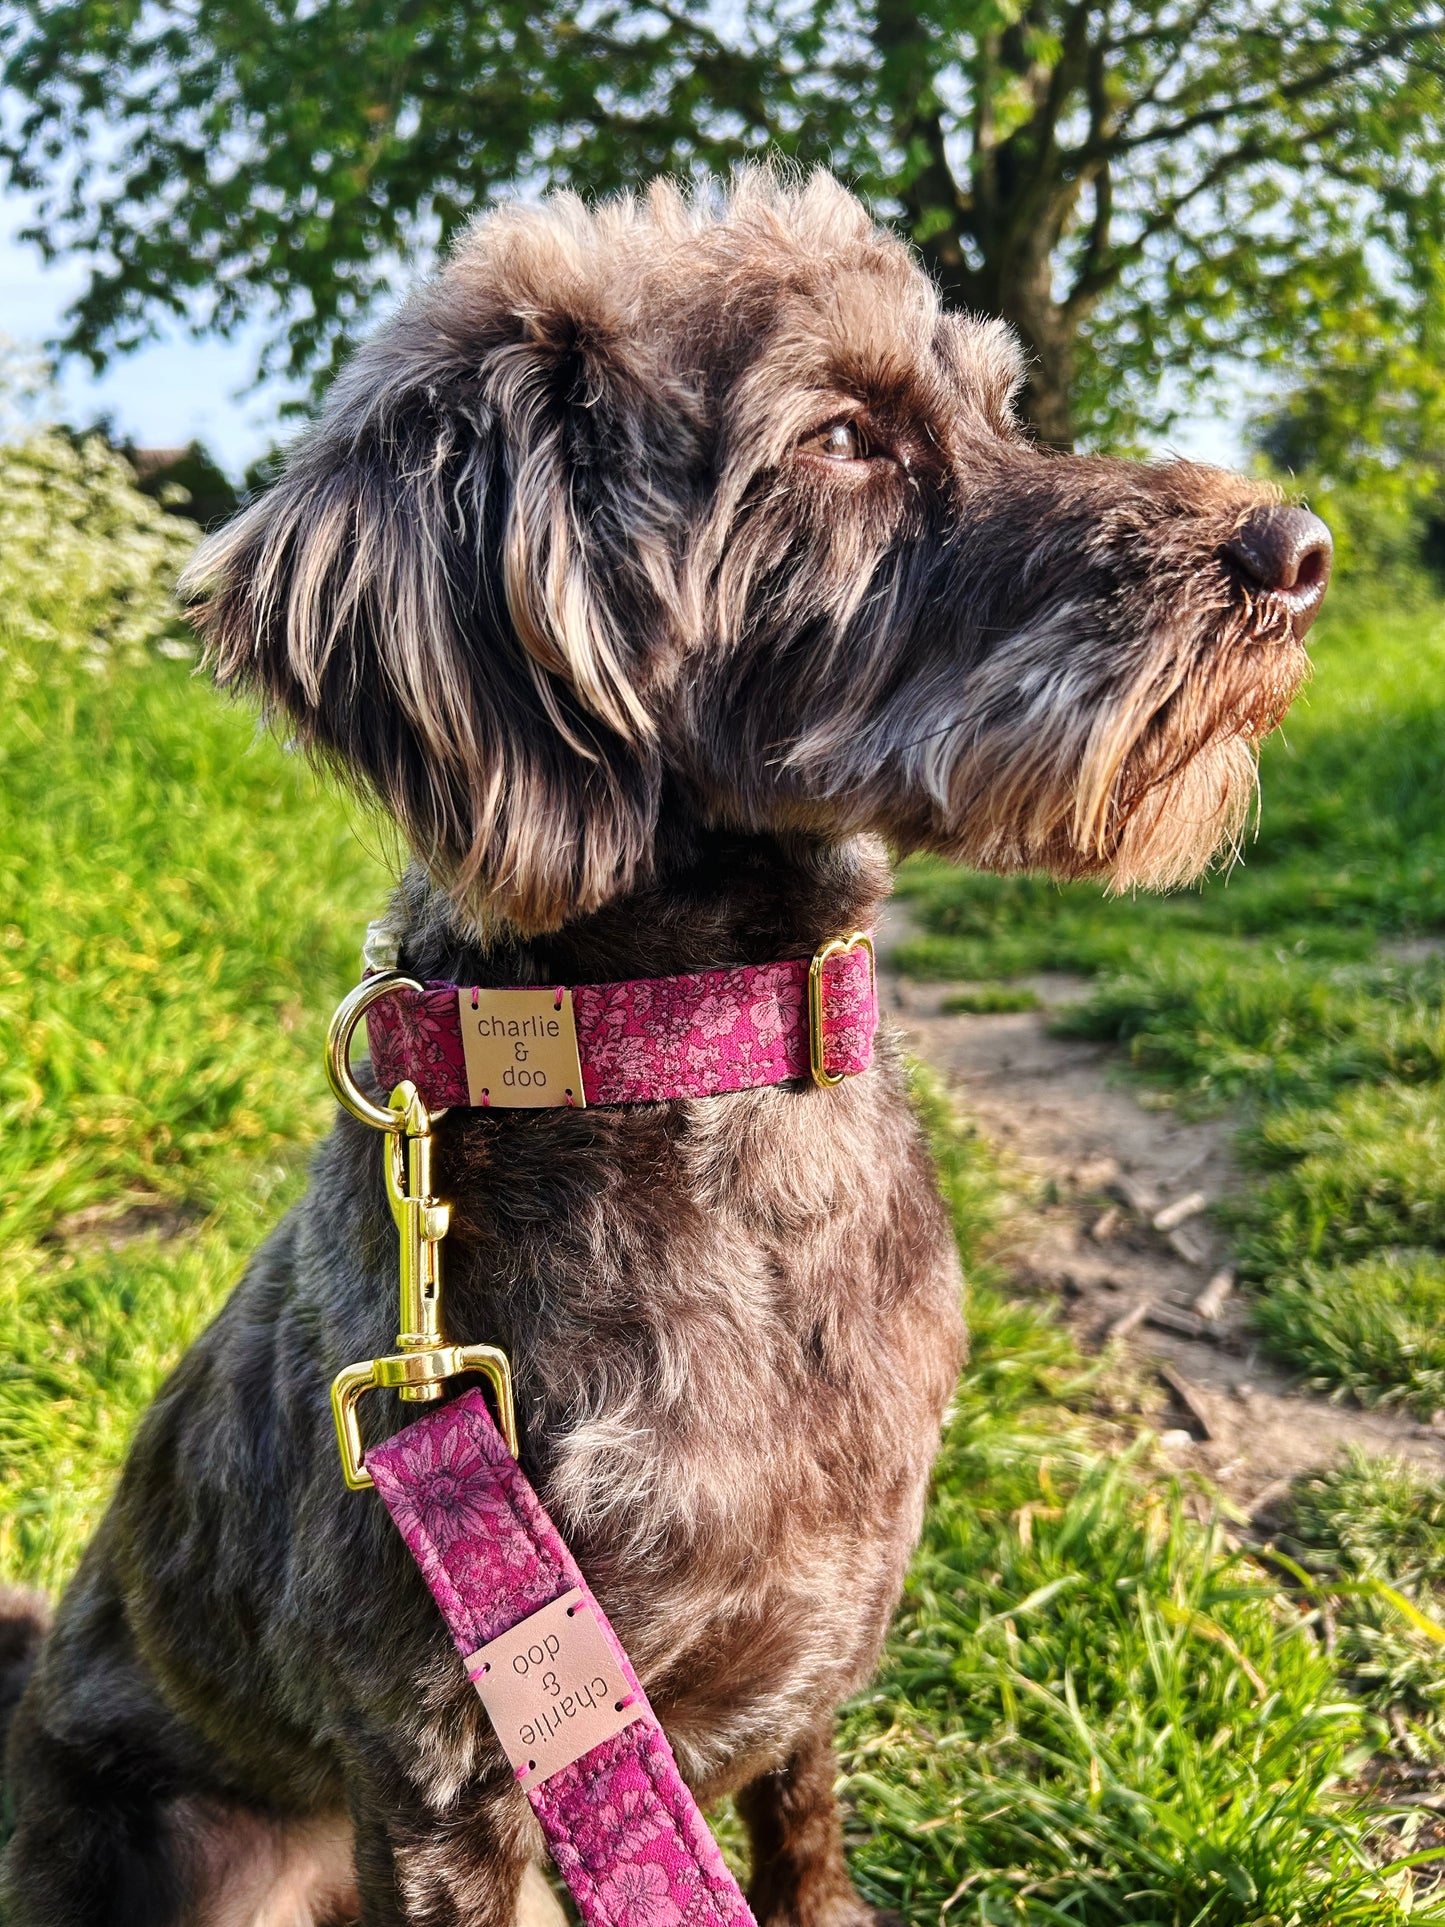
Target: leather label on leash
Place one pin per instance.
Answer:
(520, 1048)
(553, 1688)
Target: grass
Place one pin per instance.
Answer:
(1303, 988)
(1375, 1329)
(181, 906)
(1097, 1705)
(989, 999)
(1366, 1530)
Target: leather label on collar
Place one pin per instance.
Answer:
(520, 1048)
(553, 1688)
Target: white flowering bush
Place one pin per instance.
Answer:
(87, 563)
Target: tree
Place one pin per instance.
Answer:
(1139, 186)
(1376, 409)
(1364, 433)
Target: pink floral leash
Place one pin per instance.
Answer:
(618, 1819)
(572, 1719)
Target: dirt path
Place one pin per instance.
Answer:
(1106, 1165)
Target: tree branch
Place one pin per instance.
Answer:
(1089, 286)
(933, 187)
(1068, 70)
(721, 58)
(1179, 35)
(1097, 246)
(1293, 90)
(1180, 38)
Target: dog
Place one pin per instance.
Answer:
(661, 568)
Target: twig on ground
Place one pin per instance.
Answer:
(1173, 1215)
(1210, 1302)
(1190, 1398)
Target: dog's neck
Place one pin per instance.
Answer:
(715, 898)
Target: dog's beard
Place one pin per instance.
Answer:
(1186, 789)
(1147, 782)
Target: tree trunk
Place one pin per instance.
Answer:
(1023, 297)
(1023, 294)
(1046, 402)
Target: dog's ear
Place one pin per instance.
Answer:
(446, 595)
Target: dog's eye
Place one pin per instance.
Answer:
(840, 442)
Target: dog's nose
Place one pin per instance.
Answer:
(1285, 551)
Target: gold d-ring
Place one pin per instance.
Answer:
(349, 1013)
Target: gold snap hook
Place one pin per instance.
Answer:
(414, 1369)
(425, 1359)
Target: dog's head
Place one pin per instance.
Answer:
(713, 501)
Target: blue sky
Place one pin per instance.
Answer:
(177, 390)
(171, 392)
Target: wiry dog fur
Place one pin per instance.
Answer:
(586, 576)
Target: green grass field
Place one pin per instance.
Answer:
(1098, 1705)
(180, 905)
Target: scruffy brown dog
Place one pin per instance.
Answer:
(654, 566)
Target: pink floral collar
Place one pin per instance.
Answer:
(631, 1043)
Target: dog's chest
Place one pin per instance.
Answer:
(741, 1394)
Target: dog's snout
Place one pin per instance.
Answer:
(1284, 551)
(1282, 548)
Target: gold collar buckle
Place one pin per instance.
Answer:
(822, 956)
